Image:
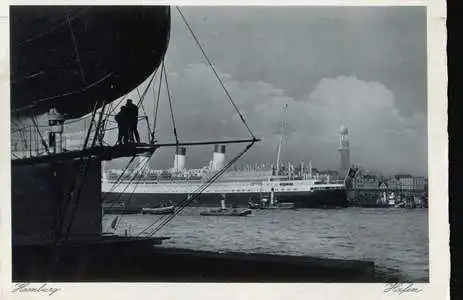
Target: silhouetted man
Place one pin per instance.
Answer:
(132, 113)
(123, 126)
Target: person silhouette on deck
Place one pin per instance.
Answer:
(123, 126)
(132, 116)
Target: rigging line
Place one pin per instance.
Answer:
(134, 176)
(76, 120)
(140, 171)
(85, 168)
(210, 182)
(51, 29)
(146, 115)
(19, 131)
(40, 135)
(118, 179)
(157, 102)
(196, 193)
(81, 91)
(111, 111)
(76, 50)
(147, 88)
(62, 210)
(118, 103)
(170, 103)
(215, 72)
(89, 131)
(98, 125)
(76, 205)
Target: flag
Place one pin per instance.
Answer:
(352, 172)
(114, 223)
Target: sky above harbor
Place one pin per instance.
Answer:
(360, 67)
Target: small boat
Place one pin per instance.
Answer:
(286, 205)
(224, 211)
(254, 205)
(120, 209)
(235, 212)
(272, 204)
(166, 210)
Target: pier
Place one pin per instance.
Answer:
(144, 260)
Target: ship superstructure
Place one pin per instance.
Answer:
(239, 186)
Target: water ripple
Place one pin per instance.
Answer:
(396, 239)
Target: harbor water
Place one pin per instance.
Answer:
(395, 239)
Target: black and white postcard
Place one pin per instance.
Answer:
(224, 151)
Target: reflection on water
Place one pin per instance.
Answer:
(396, 239)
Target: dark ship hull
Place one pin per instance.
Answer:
(73, 57)
(315, 199)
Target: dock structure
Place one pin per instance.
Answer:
(144, 260)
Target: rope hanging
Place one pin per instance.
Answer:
(215, 72)
(170, 103)
(76, 50)
(139, 171)
(164, 220)
(146, 115)
(40, 134)
(157, 104)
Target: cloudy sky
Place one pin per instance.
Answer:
(362, 67)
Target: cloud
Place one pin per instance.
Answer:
(381, 139)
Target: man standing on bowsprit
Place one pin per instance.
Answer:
(122, 124)
(132, 116)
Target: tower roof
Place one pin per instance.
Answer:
(343, 129)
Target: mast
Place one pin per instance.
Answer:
(283, 127)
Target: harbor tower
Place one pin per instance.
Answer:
(344, 151)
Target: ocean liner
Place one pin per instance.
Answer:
(239, 187)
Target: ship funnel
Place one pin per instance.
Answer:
(218, 159)
(179, 160)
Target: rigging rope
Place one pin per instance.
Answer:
(164, 220)
(157, 104)
(215, 72)
(40, 134)
(139, 171)
(114, 201)
(119, 182)
(146, 115)
(28, 40)
(85, 160)
(170, 103)
(76, 50)
(84, 172)
(146, 89)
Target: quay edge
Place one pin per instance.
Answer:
(139, 261)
